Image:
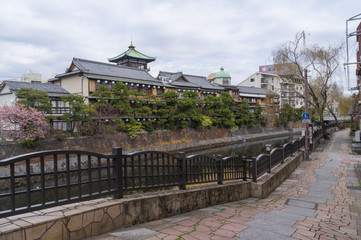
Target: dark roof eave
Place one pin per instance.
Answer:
(67, 74)
(123, 79)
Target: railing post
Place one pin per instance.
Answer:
(117, 162)
(182, 171)
(219, 169)
(254, 169)
(244, 165)
(268, 150)
(283, 155)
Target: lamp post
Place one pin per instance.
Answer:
(268, 147)
(306, 110)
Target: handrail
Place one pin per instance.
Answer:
(26, 156)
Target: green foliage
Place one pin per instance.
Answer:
(121, 98)
(78, 110)
(148, 126)
(106, 129)
(183, 124)
(121, 126)
(243, 114)
(190, 94)
(258, 117)
(103, 94)
(134, 127)
(206, 122)
(171, 98)
(136, 93)
(187, 105)
(31, 143)
(225, 118)
(34, 98)
(286, 114)
(227, 100)
(144, 111)
(298, 113)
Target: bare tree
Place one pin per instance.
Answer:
(334, 97)
(322, 62)
(346, 106)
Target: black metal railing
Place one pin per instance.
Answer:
(44, 179)
(50, 178)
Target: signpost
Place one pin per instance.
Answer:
(306, 115)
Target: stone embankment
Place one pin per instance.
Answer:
(164, 140)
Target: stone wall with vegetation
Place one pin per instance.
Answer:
(163, 140)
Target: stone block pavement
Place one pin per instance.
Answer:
(320, 200)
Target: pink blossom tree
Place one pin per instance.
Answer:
(21, 124)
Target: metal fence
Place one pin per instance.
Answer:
(50, 178)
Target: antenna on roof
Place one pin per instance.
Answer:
(131, 41)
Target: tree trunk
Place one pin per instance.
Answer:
(323, 128)
(334, 115)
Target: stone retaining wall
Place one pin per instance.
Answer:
(162, 140)
(266, 184)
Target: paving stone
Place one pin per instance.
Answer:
(321, 194)
(299, 211)
(321, 185)
(176, 219)
(320, 189)
(313, 199)
(266, 219)
(140, 233)
(290, 181)
(298, 171)
(352, 180)
(261, 229)
(284, 214)
(303, 204)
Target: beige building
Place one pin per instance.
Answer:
(288, 87)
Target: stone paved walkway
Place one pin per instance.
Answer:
(320, 200)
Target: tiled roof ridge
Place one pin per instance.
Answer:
(110, 64)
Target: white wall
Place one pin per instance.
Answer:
(7, 99)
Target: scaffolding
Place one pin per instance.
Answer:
(349, 35)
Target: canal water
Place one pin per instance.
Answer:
(248, 149)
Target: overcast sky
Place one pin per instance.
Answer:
(196, 37)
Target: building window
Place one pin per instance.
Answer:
(61, 125)
(60, 107)
(160, 91)
(252, 79)
(147, 91)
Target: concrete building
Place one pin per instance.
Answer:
(289, 87)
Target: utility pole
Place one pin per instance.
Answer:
(306, 111)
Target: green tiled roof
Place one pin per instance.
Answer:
(131, 52)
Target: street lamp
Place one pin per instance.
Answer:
(268, 147)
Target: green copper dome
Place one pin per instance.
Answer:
(222, 74)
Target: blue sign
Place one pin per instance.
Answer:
(306, 116)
